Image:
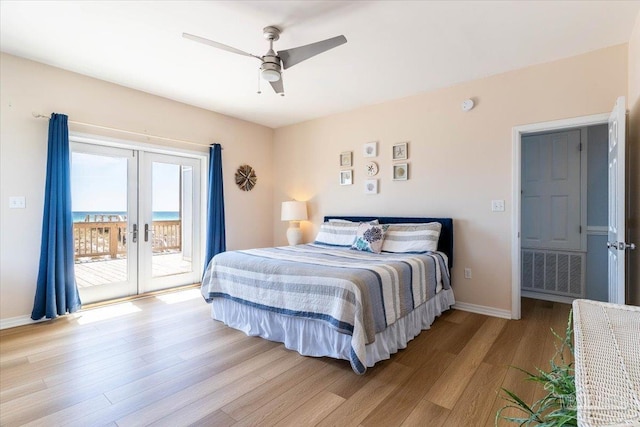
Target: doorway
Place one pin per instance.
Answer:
(564, 214)
(518, 133)
(136, 220)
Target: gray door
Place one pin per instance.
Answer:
(553, 258)
(551, 191)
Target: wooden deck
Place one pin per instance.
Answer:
(94, 273)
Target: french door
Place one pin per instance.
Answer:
(169, 213)
(136, 221)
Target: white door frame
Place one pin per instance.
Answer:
(517, 133)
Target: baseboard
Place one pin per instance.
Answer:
(482, 309)
(13, 322)
(547, 297)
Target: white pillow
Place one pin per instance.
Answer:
(400, 238)
(337, 233)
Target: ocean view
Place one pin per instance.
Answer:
(157, 216)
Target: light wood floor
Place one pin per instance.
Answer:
(165, 362)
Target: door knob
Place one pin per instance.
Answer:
(621, 246)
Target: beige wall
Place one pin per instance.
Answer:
(27, 86)
(633, 103)
(459, 161)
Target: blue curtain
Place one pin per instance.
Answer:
(215, 206)
(56, 292)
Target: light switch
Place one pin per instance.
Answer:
(17, 202)
(497, 205)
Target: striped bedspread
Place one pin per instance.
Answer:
(357, 293)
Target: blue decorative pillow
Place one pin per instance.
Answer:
(369, 238)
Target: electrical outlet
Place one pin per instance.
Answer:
(467, 273)
(497, 205)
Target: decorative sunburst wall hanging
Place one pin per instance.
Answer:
(246, 178)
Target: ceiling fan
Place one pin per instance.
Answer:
(272, 63)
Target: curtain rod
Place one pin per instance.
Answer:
(42, 116)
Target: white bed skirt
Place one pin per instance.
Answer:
(311, 337)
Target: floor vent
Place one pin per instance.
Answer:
(554, 272)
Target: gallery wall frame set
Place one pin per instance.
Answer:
(400, 166)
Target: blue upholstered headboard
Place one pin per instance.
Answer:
(445, 244)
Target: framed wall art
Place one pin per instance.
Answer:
(346, 159)
(401, 172)
(370, 149)
(371, 186)
(346, 177)
(400, 151)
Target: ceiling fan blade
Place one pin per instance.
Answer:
(217, 45)
(291, 57)
(278, 86)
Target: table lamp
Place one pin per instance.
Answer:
(294, 212)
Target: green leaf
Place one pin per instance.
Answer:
(518, 401)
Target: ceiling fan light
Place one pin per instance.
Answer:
(270, 75)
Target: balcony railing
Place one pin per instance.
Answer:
(109, 238)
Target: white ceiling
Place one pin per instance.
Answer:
(395, 48)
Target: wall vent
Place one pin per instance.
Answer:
(553, 272)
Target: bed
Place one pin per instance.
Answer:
(326, 299)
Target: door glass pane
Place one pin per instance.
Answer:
(171, 230)
(99, 205)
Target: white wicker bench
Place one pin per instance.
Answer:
(607, 363)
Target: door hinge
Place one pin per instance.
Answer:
(579, 229)
(580, 146)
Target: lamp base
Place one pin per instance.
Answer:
(294, 233)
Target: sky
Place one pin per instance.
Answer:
(99, 184)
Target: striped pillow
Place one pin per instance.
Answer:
(401, 238)
(338, 233)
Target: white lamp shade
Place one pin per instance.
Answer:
(294, 211)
